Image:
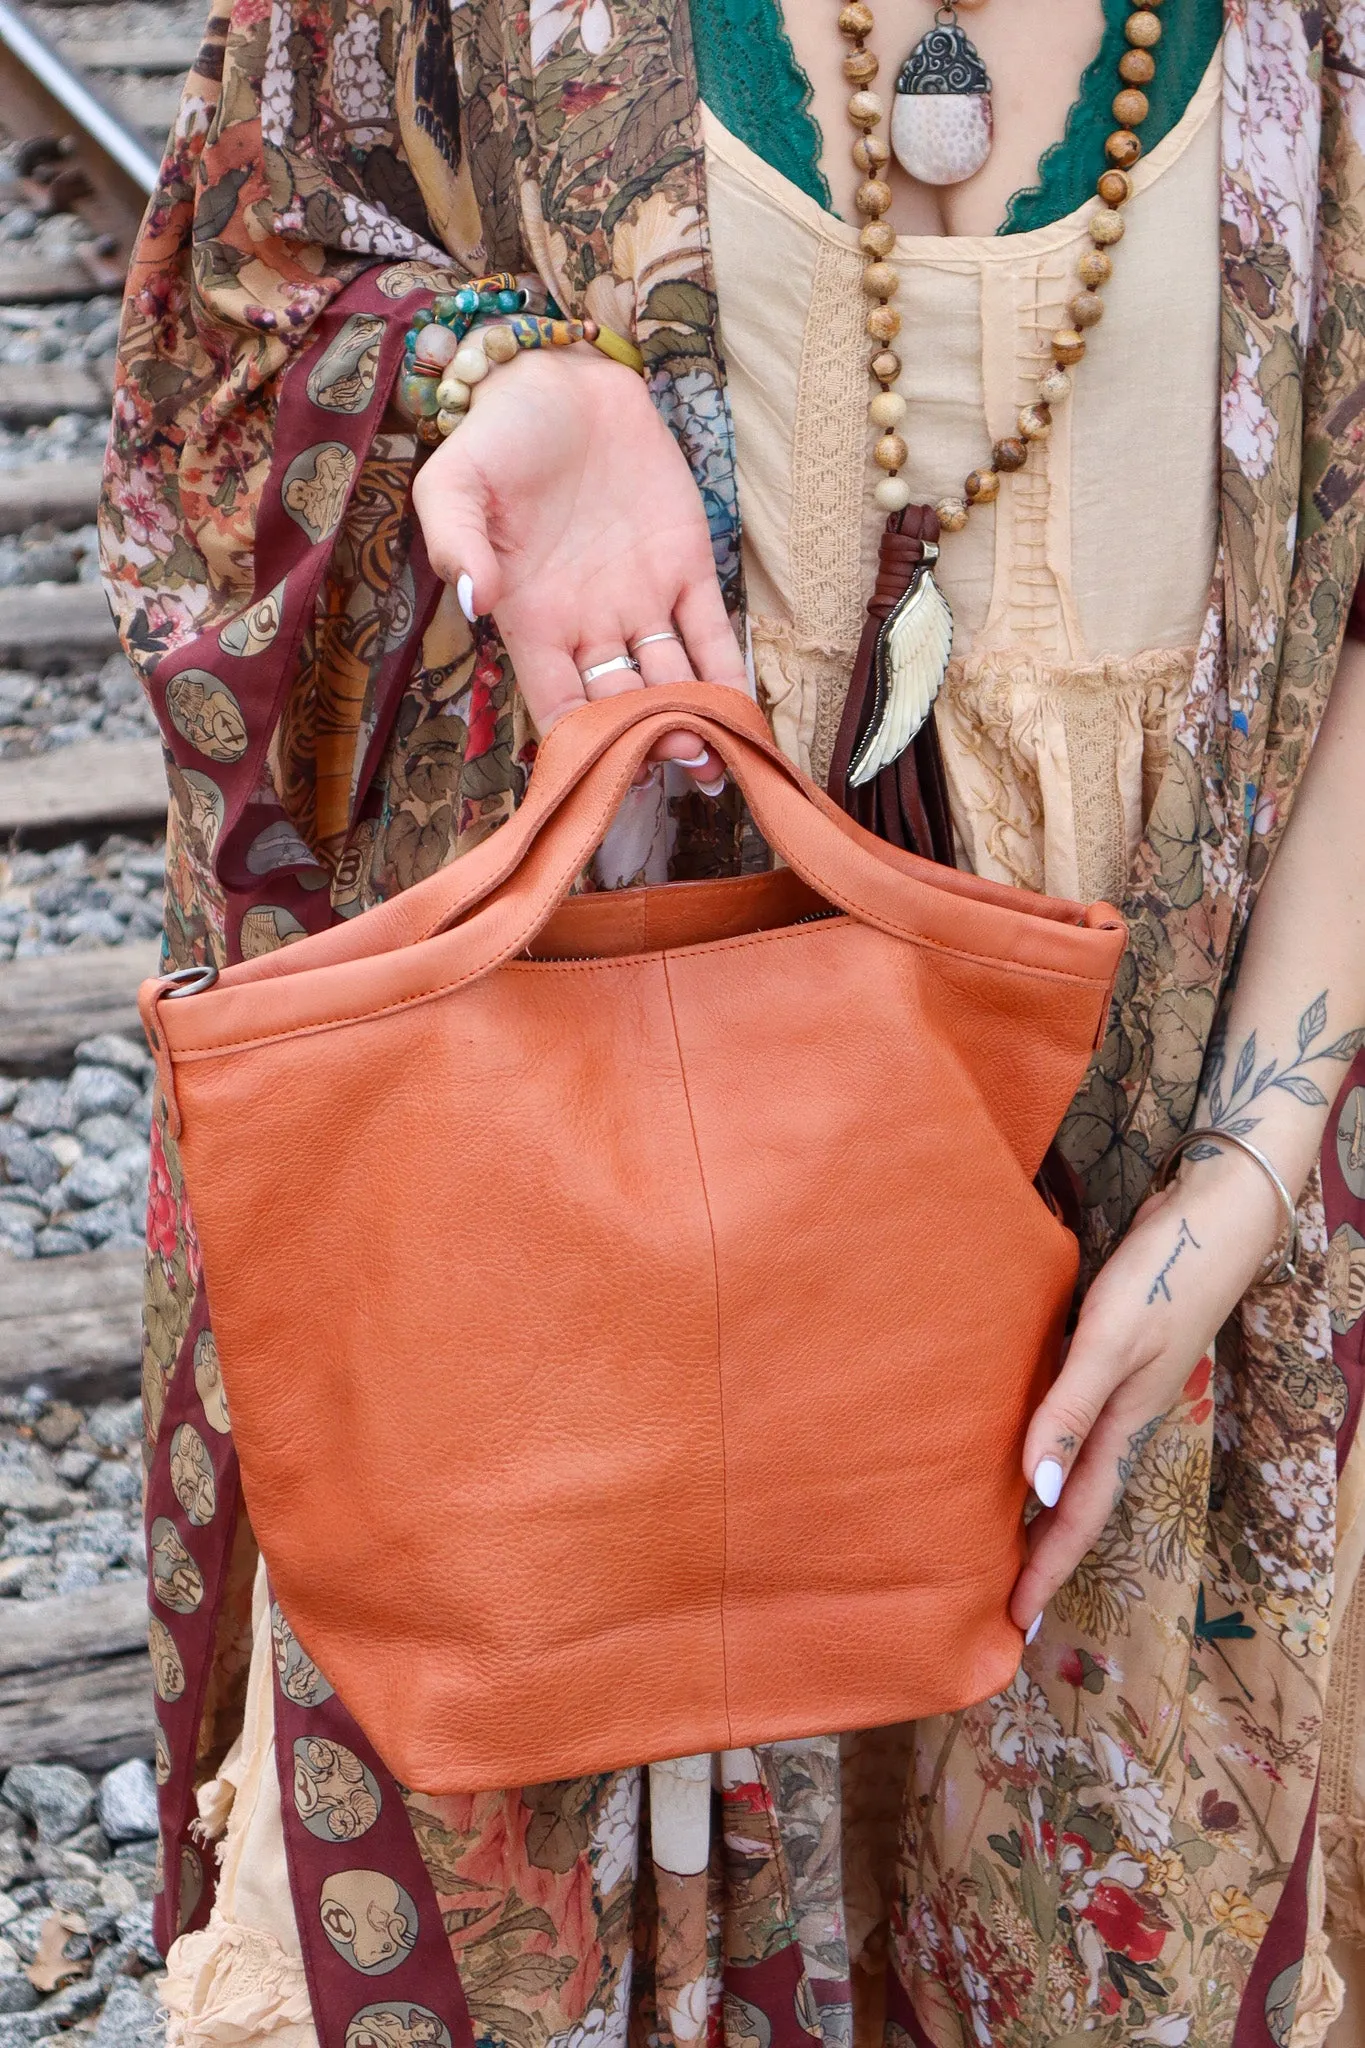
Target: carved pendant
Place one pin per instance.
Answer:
(941, 123)
(908, 666)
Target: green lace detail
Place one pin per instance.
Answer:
(1067, 172)
(749, 77)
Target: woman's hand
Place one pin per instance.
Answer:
(563, 506)
(1152, 1313)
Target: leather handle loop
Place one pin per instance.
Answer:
(511, 884)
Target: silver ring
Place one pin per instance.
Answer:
(648, 639)
(606, 668)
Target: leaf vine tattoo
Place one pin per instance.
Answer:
(1132, 1457)
(1249, 1083)
(1162, 1283)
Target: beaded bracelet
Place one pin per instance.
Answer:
(451, 348)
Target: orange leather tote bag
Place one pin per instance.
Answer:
(630, 1305)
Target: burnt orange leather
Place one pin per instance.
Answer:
(629, 1351)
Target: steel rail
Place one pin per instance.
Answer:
(78, 98)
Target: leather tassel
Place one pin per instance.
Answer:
(906, 803)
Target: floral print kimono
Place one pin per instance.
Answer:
(1138, 1842)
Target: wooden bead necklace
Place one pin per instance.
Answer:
(887, 409)
(871, 154)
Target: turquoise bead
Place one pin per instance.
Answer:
(510, 302)
(422, 319)
(467, 301)
(417, 395)
(447, 309)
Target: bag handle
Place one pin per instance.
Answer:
(586, 764)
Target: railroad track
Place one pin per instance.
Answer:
(87, 90)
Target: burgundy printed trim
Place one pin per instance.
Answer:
(189, 1548)
(779, 1989)
(378, 1960)
(233, 701)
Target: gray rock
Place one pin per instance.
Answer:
(103, 1134)
(129, 2020)
(56, 1797)
(113, 1484)
(43, 1106)
(127, 1803)
(9, 1095)
(102, 1534)
(24, 1493)
(110, 1049)
(77, 2002)
(102, 1090)
(108, 1222)
(27, 1540)
(16, 1993)
(72, 1894)
(16, 1232)
(92, 1181)
(76, 1575)
(56, 1241)
(113, 1423)
(136, 1926)
(31, 1164)
(75, 1467)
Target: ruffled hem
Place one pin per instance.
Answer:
(1343, 1852)
(1322, 1996)
(231, 1986)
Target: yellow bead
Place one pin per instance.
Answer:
(1114, 187)
(870, 154)
(1142, 29)
(1106, 227)
(1008, 455)
(952, 514)
(881, 281)
(982, 487)
(1131, 107)
(500, 344)
(1123, 148)
(454, 393)
(892, 494)
(1067, 346)
(861, 67)
(1086, 309)
(877, 238)
(1136, 67)
(865, 109)
(883, 323)
(1094, 269)
(856, 20)
(890, 452)
(1053, 386)
(1035, 422)
(873, 197)
(887, 409)
(885, 366)
(446, 422)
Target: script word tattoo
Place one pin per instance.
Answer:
(1250, 1082)
(1162, 1283)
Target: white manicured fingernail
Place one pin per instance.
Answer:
(677, 761)
(1034, 1627)
(1048, 1482)
(464, 591)
(712, 788)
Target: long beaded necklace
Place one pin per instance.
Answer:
(912, 655)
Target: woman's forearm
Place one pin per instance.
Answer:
(1295, 1017)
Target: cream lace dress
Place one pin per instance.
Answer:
(1078, 597)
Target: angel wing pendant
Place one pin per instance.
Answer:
(908, 666)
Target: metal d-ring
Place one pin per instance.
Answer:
(186, 981)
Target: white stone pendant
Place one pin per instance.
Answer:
(941, 123)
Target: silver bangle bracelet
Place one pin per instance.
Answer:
(1286, 1266)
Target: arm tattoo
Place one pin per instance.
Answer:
(1162, 1282)
(1132, 1458)
(1249, 1083)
